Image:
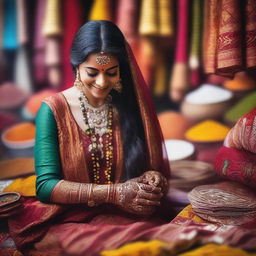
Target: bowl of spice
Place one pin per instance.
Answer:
(19, 139)
(10, 203)
(207, 137)
(206, 102)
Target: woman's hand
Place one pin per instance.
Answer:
(156, 179)
(137, 198)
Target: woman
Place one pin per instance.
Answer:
(99, 155)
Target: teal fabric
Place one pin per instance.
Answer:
(10, 40)
(46, 152)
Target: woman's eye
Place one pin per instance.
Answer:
(92, 74)
(112, 74)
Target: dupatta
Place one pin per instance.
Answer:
(33, 222)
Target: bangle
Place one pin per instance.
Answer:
(90, 202)
(112, 194)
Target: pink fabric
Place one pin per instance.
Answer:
(236, 165)
(243, 134)
(39, 44)
(182, 31)
(72, 11)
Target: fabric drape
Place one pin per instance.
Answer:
(34, 223)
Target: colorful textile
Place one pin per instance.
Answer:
(187, 215)
(236, 165)
(22, 23)
(39, 69)
(73, 224)
(225, 45)
(236, 160)
(243, 134)
(211, 24)
(179, 80)
(52, 19)
(240, 109)
(226, 203)
(101, 10)
(156, 18)
(127, 16)
(72, 11)
(229, 44)
(235, 236)
(250, 33)
(10, 37)
(217, 250)
(151, 248)
(195, 44)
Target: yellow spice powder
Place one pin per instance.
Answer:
(207, 131)
(217, 250)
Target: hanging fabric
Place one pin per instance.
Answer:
(22, 73)
(10, 39)
(101, 10)
(39, 45)
(72, 21)
(195, 44)
(52, 30)
(250, 29)
(179, 78)
(127, 18)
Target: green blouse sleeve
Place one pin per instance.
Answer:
(47, 158)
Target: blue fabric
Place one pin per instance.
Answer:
(10, 37)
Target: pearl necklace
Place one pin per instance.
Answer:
(98, 121)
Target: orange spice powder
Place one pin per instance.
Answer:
(21, 132)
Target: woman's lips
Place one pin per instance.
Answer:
(99, 88)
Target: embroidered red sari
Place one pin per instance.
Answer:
(62, 228)
(51, 229)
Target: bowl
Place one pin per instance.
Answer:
(206, 102)
(18, 143)
(10, 203)
(179, 149)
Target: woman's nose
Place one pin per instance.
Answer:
(101, 80)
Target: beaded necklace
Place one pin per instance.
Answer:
(98, 121)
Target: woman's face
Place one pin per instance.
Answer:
(98, 74)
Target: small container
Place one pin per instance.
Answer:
(206, 102)
(179, 150)
(10, 203)
(17, 142)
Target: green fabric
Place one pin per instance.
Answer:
(242, 107)
(47, 157)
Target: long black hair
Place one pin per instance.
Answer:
(105, 36)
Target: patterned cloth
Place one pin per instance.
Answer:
(226, 45)
(243, 134)
(236, 160)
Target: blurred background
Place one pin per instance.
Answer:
(197, 57)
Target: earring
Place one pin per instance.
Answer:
(118, 86)
(78, 82)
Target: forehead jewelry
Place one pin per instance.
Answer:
(102, 59)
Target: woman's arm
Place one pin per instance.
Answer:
(46, 152)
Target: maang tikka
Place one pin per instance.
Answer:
(102, 59)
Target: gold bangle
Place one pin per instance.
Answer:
(90, 202)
